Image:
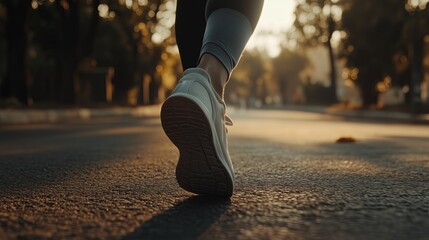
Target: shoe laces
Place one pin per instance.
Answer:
(228, 122)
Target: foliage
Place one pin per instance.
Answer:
(315, 23)
(370, 45)
(46, 47)
(287, 68)
(383, 49)
(247, 78)
(68, 38)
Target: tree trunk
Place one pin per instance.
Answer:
(333, 69)
(16, 85)
(67, 57)
(333, 73)
(369, 98)
(88, 45)
(416, 72)
(368, 92)
(283, 93)
(153, 89)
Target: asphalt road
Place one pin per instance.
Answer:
(114, 179)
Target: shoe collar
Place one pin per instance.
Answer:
(206, 75)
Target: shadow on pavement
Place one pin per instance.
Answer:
(32, 158)
(185, 220)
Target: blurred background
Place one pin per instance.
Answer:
(95, 53)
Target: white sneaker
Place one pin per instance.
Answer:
(194, 119)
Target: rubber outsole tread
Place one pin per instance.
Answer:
(199, 169)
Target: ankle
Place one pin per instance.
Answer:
(217, 72)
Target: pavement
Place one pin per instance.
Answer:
(113, 178)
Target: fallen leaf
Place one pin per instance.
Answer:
(346, 140)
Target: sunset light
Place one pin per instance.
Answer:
(214, 119)
(276, 18)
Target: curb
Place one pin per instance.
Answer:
(16, 117)
(365, 114)
(382, 116)
(13, 116)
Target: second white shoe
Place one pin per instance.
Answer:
(194, 119)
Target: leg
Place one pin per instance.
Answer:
(190, 27)
(191, 23)
(193, 117)
(229, 26)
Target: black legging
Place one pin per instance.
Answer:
(191, 16)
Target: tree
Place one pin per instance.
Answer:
(64, 40)
(370, 45)
(93, 23)
(253, 69)
(287, 68)
(315, 23)
(16, 82)
(413, 34)
(68, 50)
(147, 27)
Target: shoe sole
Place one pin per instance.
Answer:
(199, 169)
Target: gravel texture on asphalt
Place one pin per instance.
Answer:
(114, 179)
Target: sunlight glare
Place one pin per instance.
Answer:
(277, 16)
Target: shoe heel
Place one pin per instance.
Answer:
(199, 169)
